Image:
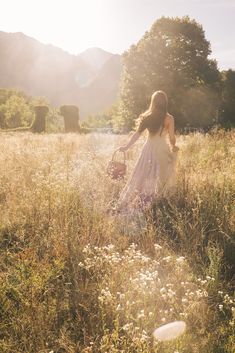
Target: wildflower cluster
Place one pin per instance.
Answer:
(142, 292)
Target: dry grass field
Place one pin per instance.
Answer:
(75, 280)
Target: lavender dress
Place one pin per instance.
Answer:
(153, 175)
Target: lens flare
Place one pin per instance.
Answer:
(170, 331)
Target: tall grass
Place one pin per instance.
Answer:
(76, 280)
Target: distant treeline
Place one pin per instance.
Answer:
(19, 112)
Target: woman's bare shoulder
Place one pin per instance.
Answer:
(169, 119)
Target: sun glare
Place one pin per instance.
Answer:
(69, 25)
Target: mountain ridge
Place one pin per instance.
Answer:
(63, 78)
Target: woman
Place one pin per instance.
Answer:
(154, 172)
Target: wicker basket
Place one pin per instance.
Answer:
(117, 170)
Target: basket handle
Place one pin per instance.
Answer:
(124, 154)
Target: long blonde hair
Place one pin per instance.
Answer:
(154, 116)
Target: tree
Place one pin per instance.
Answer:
(15, 112)
(172, 56)
(227, 112)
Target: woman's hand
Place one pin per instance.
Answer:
(133, 138)
(122, 149)
(175, 148)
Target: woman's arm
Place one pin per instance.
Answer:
(132, 140)
(171, 132)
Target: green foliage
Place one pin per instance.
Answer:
(5, 94)
(96, 121)
(101, 120)
(17, 111)
(227, 113)
(14, 110)
(199, 107)
(55, 122)
(172, 56)
(106, 119)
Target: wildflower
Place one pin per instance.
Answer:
(171, 293)
(157, 247)
(169, 285)
(144, 336)
(220, 307)
(180, 260)
(118, 308)
(105, 296)
(184, 300)
(184, 315)
(199, 293)
(127, 327)
(167, 259)
(86, 249)
(140, 315)
(133, 246)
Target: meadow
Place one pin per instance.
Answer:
(74, 279)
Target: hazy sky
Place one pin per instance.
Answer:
(114, 25)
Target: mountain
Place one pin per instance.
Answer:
(95, 57)
(107, 82)
(89, 80)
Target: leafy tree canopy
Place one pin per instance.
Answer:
(227, 113)
(172, 56)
